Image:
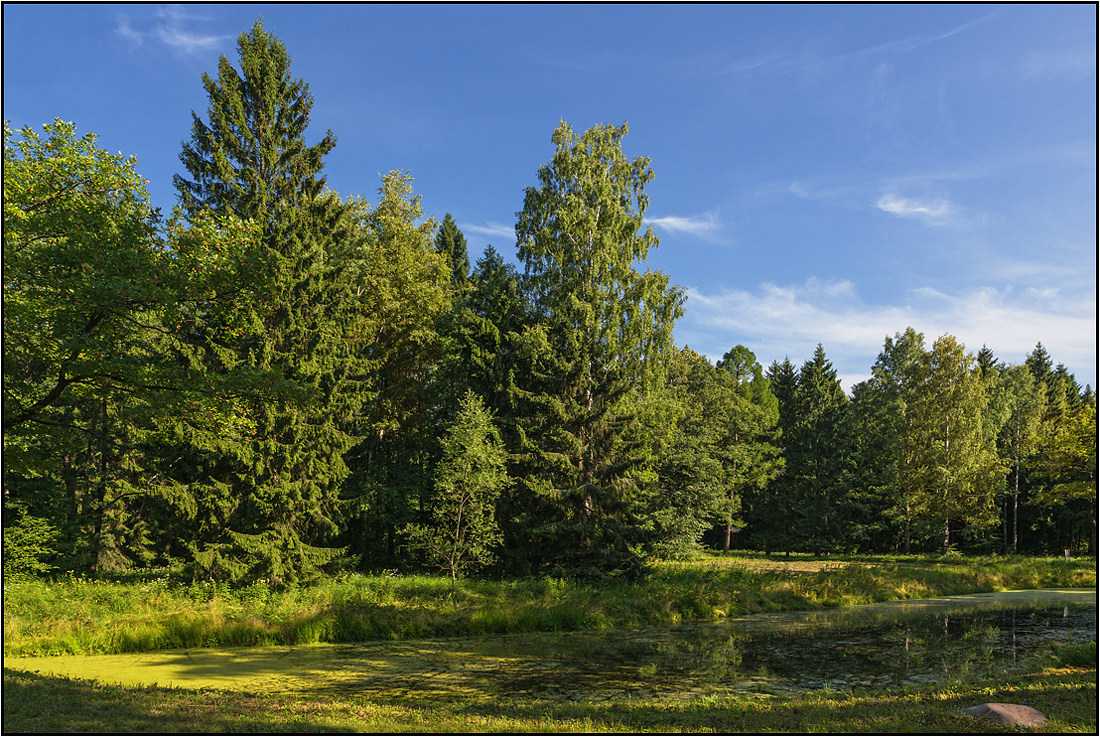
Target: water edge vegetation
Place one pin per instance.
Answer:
(159, 610)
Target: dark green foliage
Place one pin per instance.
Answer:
(251, 159)
(95, 288)
(807, 506)
(261, 383)
(818, 455)
(600, 326)
(267, 498)
(881, 414)
(713, 445)
(462, 532)
(768, 510)
(450, 242)
(30, 543)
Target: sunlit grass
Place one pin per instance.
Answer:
(155, 610)
(37, 704)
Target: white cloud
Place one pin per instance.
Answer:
(931, 211)
(776, 321)
(492, 230)
(809, 60)
(127, 31)
(698, 225)
(169, 29)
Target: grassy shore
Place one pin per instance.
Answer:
(155, 611)
(36, 704)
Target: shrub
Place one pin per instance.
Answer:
(29, 542)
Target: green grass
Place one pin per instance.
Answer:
(36, 704)
(154, 611)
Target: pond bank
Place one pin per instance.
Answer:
(875, 646)
(157, 612)
(42, 705)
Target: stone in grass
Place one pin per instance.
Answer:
(1012, 714)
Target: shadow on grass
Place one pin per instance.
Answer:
(40, 704)
(37, 704)
(1067, 697)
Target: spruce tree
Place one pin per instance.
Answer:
(450, 242)
(819, 456)
(268, 503)
(768, 510)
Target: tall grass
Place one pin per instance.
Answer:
(154, 611)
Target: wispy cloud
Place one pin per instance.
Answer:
(776, 321)
(781, 62)
(697, 225)
(1065, 62)
(934, 212)
(171, 29)
(492, 230)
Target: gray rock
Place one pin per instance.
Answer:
(1013, 714)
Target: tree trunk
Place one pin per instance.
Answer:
(1016, 508)
(907, 514)
(946, 534)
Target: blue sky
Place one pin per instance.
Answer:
(824, 173)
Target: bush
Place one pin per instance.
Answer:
(29, 542)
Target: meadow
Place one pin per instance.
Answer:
(157, 610)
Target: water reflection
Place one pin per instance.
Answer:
(894, 644)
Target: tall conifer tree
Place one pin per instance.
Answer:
(768, 510)
(819, 456)
(450, 242)
(267, 511)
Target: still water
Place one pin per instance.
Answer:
(890, 644)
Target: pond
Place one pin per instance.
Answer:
(889, 644)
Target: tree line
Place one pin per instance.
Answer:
(276, 381)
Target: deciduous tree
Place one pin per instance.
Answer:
(955, 473)
(463, 531)
(601, 325)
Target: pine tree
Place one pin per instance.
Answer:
(269, 501)
(600, 327)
